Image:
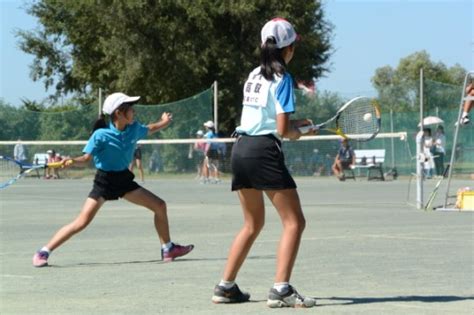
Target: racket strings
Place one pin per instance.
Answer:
(9, 170)
(359, 118)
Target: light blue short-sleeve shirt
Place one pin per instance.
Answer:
(263, 100)
(112, 149)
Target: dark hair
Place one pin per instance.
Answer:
(101, 122)
(271, 59)
(213, 129)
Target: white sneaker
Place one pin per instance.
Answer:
(464, 120)
(291, 298)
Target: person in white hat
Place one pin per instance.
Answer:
(258, 168)
(210, 167)
(197, 154)
(111, 148)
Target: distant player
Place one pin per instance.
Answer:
(137, 160)
(111, 148)
(258, 168)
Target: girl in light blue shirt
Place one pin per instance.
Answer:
(111, 148)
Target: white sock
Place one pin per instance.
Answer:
(281, 287)
(45, 249)
(227, 284)
(167, 246)
(464, 114)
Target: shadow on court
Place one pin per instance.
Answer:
(403, 299)
(154, 261)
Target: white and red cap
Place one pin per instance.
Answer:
(114, 100)
(209, 124)
(281, 30)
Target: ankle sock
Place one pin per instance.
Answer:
(281, 287)
(45, 249)
(226, 284)
(167, 246)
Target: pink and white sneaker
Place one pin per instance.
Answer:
(175, 251)
(40, 259)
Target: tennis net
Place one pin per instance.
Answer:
(309, 156)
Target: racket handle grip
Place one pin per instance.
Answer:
(308, 128)
(54, 165)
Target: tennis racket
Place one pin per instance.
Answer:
(359, 119)
(11, 170)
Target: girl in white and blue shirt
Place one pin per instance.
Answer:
(258, 168)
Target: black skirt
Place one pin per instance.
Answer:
(112, 185)
(258, 162)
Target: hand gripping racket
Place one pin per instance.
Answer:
(359, 119)
(11, 170)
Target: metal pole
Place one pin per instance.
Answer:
(419, 152)
(100, 102)
(215, 106)
(455, 141)
(391, 140)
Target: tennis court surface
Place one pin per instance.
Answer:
(364, 251)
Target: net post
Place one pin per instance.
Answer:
(215, 106)
(419, 148)
(391, 140)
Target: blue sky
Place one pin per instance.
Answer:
(367, 35)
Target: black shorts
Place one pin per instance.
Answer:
(345, 164)
(212, 154)
(112, 185)
(258, 162)
(137, 155)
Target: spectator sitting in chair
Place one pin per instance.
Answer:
(345, 159)
(52, 172)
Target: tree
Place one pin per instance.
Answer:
(166, 50)
(399, 88)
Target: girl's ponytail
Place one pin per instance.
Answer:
(101, 122)
(271, 59)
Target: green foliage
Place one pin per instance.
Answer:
(166, 50)
(399, 88)
(33, 121)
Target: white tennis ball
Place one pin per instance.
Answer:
(367, 117)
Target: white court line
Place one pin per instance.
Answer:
(17, 276)
(401, 237)
(385, 236)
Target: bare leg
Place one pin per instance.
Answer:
(140, 169)
(88, 212)
(288, 205)
(145, 198)
(337, 168)
(205, 168)
(254, 219)
(468, 103)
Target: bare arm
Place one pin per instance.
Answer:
(83, 159)
(166, 119)
(288, 128)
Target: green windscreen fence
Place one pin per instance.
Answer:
(400, 113)
(188, 115)
(76, 124)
